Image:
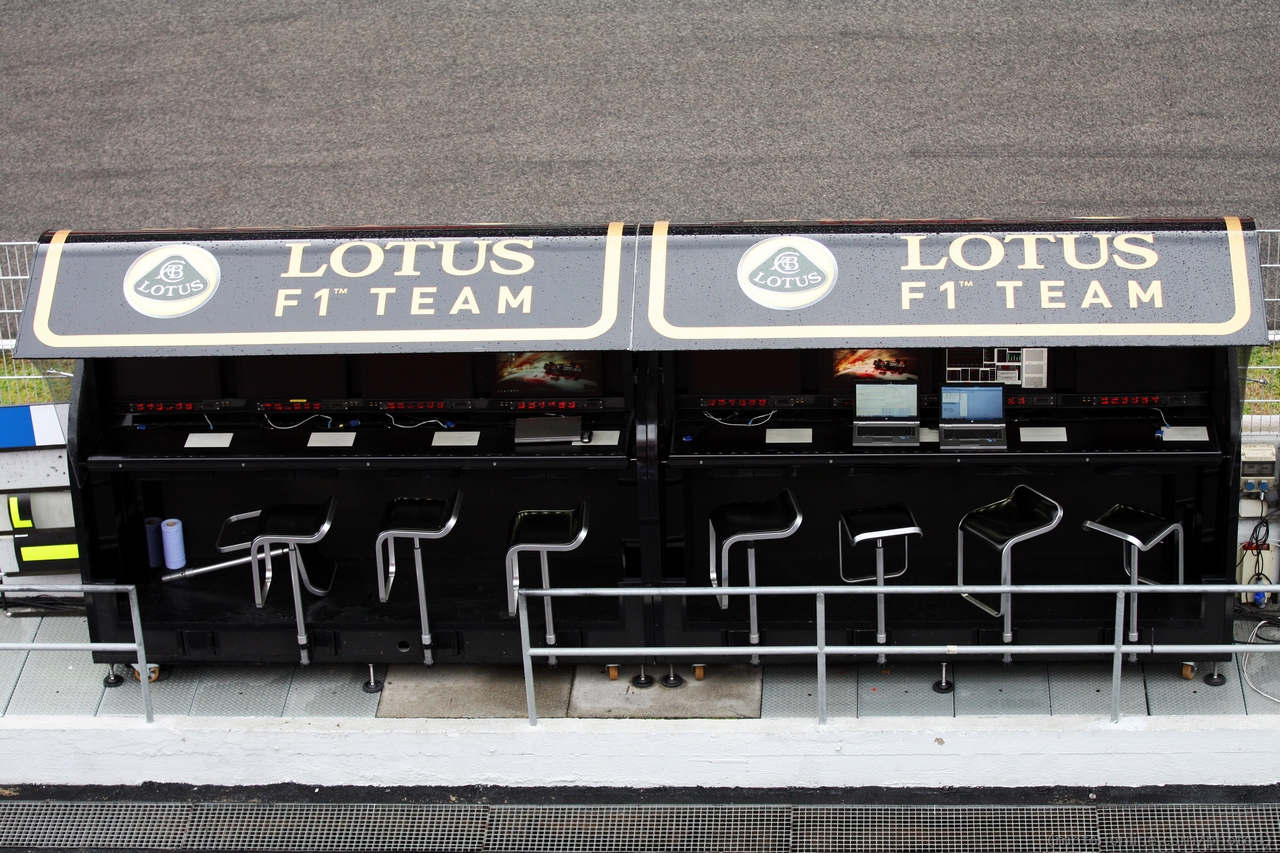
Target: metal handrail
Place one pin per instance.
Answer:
(820, 649)
(135, 646)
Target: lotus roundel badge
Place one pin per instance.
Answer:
(787, 272)
(171, 281)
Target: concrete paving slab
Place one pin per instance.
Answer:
(995, 689)
(56, 683)
(902, 690)
(333, 691)
(727, 692)
(792, 691)
(1085, 688)
(173, 695)
(416, 691)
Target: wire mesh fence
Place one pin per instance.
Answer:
(24, 381)
(1262, 382)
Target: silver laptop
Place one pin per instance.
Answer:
(545, 430)
(885, 414)
(972, 418)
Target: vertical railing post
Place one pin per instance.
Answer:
(822, 658)
(144, 673)
(522, 608)
(1117, 657)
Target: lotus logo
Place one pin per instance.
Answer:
(787, 272)
(171, 281)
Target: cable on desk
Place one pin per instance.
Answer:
(299, 423)
(441, 424)
(758, 420)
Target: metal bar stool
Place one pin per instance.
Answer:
(1023, 515)
(416, 519)
(878, 523)
(1140, 531)
(749, 522)
(542, 530)
(288, 525)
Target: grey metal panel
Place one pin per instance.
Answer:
(14, 630)
(1188, 828)
(1085, 689)
(130, 826)
(173, 695)
(59, 683)
(242, 691)
(332, 691)
(792, 691)
(1168, 693)
(994, 689)
(902, 690)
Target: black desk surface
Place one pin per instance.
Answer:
(376, 445)
(696, 440)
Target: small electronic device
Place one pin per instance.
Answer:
(885, 414)
(549, 430)
(972, 418)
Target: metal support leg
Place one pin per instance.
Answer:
(751, 582)
(422, 601)
(522, 609)
(304, 654)
(1115, 659)
(821, 617)
(722, 600)
(881, 635)
(1133, 599)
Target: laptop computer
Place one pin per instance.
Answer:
(885, 414)
(972, 418)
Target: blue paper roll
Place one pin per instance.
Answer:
(155, 550)
(175, 553)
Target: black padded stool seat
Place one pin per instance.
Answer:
(747, 522)
(288, 525)
(542, 530)
(876, 523)
(1023, 515)
(416, 519)
(1139, 530)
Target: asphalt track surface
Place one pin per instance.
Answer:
(141, 114)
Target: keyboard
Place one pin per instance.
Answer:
(886, 433)
(972, 436)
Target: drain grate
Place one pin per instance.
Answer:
(1189, 828)
(157, 826)
(945, 829)
(247, 826)
(640, 829)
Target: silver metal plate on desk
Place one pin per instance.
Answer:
(788, 436)
(1030, 434)
(209, 439)
(602, 437)
(456, 439)
(1185, 433)
(331, 439)
(928, 436)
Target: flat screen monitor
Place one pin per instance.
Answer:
(849, 367)
(416, 376)
(291, 377)
(744, 372)
(972, 402)
(160, 379)
(888, 400)
(546, 374)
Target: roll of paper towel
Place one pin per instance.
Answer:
(155, 550)
(175, 553)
